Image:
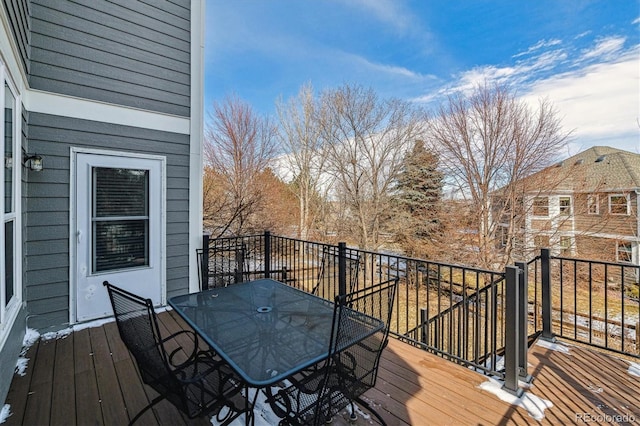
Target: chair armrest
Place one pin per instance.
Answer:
(191, 353)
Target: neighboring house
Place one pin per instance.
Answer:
(587, 206)
(108, 94)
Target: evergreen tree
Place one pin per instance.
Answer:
(419, 194)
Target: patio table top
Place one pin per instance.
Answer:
(266, 330)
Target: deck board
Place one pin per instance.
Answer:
(38, 409)
(63, 383)
(88, 377)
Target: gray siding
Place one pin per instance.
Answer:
(9, 354)
(47, 207)
(20, 22)
(132, 53)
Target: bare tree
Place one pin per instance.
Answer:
(366, 139)
(490, 141)
(300, 137)
(239, 146)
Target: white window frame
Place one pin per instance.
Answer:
(565, 210)
(566, 244)
(593, 200)
(9, 311)
(628, 209)
(621, 247)
(533, 206)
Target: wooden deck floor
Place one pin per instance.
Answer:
(87, 378)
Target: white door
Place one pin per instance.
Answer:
(119, 211)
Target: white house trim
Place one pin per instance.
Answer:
(69, 106)
(196, 144)
(73, 219)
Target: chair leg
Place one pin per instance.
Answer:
(151, 404)
(353, 416)
(371, 410)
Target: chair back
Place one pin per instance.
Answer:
(357, 364)
(328, 272)
(138, 327)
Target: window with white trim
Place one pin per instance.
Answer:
(619, 204)
(565, 206)
(541, 206)
(541, 241)
(593, 204)
(10, 240)
(565, 245)
(624, 252)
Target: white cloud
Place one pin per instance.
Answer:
(389, 12)
(394, 70)
(605, 48)
(596, 91)
(539, 45)
(636, 21)
(515, 75)
(599, 102)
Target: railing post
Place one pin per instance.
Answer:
(424, 329)
(342, 269)
(523, 321)
(267, 254)
(545, 270)
(204, 262)
(511, 352)
(239, 259)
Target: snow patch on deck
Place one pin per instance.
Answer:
(534, 405)
(5, 413)
(634, 369)
(30, 337)
(554, 346)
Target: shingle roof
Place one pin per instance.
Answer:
(600, 168)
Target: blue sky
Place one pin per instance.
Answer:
(582, 55)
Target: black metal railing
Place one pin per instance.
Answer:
(454, 311)
(479, 318)
(591, 302)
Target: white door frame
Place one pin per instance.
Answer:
(73, 221)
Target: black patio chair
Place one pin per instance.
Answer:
(225, 264)
(329, 269)
(317, 394)
(189, 377)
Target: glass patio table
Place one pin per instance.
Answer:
(266, 330)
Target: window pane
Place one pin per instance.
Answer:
(120, 192)
(592, 203)
(624, 252)
(541, 206)
(618, 204)
(8, 261)
(565, 205)
(120, 218)
(120, 244)
(9, 163)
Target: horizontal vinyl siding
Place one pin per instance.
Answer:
(124, 52)
(9, 354)
(18, 14)
(47, 201)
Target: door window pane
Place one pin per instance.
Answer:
(9, 161)
(8, 261)
(120, 218)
